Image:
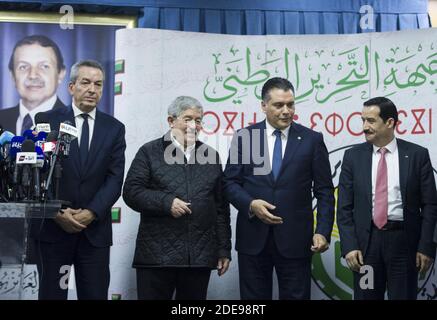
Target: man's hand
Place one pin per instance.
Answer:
(320, 244)
(423, 262)
(355, 260)
(180, 208)
(84, 216)
(222, 266)
(66, 221)
(261, 208)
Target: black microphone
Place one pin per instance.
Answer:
(28, 158)
(67, 133)
(42, 122)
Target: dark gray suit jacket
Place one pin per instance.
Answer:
(418, 190)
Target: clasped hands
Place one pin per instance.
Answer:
(260, 209)
(74, 220)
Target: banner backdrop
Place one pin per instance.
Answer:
(333, 76)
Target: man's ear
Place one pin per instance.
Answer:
(61, 76)
(390, 122)
(263, 106)
(70, 87)
(170, 121)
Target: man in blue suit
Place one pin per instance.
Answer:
(81, 235)
(274, 169)
(387, 208)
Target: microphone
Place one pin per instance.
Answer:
(5, 150)
(6, 137)
(5, 144)
(27, 158)
(37, 168)
(67, 133)
(49, 146)
(40, 139)
(16, 143)
(29, 134)
(42, 122)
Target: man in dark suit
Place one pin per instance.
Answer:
(37, 69)
(92, 179)
(387, 208)
(274, 168)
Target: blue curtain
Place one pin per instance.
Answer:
(255, 17)
(251, 17)
(258, 17)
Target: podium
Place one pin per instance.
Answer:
(14, 233)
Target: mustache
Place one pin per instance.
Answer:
(368, 131)
(34, 82)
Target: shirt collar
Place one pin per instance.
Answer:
(391, 147)
(43, 107)
(178, 145)
(270, 129)
(78, 112)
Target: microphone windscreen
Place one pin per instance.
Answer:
(52, 136)
(41, 117)
(41, 136)
(28, 146)
(16, 144)
(28, 134)
(6, 137)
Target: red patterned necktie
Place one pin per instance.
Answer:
(381, 192)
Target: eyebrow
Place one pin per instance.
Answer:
(87, 79)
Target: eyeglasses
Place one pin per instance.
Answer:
(187, 121)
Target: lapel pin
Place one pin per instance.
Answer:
(406, 156)
(298, 138)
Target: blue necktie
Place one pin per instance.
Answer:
(277, 154)
(27, 123)
(84, 140)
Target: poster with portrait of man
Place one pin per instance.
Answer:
(38, 51)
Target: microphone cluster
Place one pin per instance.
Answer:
(29, 163)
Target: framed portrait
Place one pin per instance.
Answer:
(38, 50)
(78, 37)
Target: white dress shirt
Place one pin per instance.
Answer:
(43, 107)
(395, 210)
(271, 138)
(187, 152)
(78, 119)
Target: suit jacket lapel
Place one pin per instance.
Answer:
(404, 165)
(293, 142)
(263, 151)
(74, 146)
(367, 167)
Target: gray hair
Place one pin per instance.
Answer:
(74, 71)
(182, 103)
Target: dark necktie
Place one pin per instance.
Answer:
(84, 140)
(27, 123)
(277, 154)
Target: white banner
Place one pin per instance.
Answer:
(333, 76)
